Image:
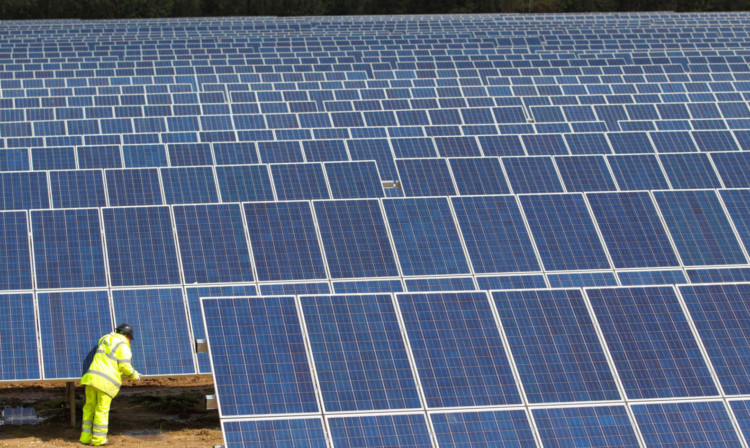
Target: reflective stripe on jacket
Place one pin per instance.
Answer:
(111, 362)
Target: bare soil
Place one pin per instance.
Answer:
(157, 412)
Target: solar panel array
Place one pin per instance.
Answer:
(469, 230)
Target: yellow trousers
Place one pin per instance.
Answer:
(95, 417)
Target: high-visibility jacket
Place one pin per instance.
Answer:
(111, 362)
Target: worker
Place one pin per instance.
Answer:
(103, 379)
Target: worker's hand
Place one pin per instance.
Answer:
(136, 376)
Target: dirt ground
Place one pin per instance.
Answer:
(158, 412)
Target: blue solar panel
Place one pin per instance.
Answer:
(479, 176)
(280, 152)
(189, 185)
(294, 289)
(77, 189)
(284, 241)
(718, 275)
(585, 173)
(690, 424)
(638, 172)
(555, 347)
(741, 411)
(722, 316)
(564, 232)
(159, 317)
(457, 349)
(140, 246)
(668, 277)
(600, 426)
(679, 141)
(587, 144)
(699, 228)
(212, 242)
(68, 250)
(425, 236)
(79, 318)
(632, 230)
(630, 142)
(715, 140)
(544, 144)
(260, 365)
(425, 177)
(378, 150)
(401, 430)
(355, 239)
(512, 282)
(495, 235)
(19, 356)
(99, 157)
(15, 265)
(352, 180)
(297, 433)
(581, 279)
(734, 168)
(367, 286)
(235, 153)
(299, 181)
(196, 315)
(651, 343)
(689, 171)
(142, 156)
(53, 158)
(360, 357)
(133, 187)
(501, 145)
(738, 206)
(324, 150)
(244, 183)
(532, 175)
(190, 154)
(498, 429)
(440, 284)
(457, 147)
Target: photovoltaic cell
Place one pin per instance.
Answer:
(511, 282)
(600, 426)
(299, 181)
(741, 411)
(738, 205)
(715, 141)
(19, 358)
(734, 168)
(564, 232)
(628, 278)
(632, 230)
(425, 236)
(68, 250)
(378, 150)
(258, 356)
(679, 141)
(15, 264)
(457, 349)
(651, 343)
(688, 424)
(360, 357)
(495, 234)
(79, 318)
(194, 295)
(425, 177)
(587, 144)
(718, 275)
(77, 189)
(140, 246)
(353, 180)
(630, 142)
(297, 433)
(162, 345)
(689, 171)
(133, 187)
(276, 289)
(498, 429)
(440, 284)
(189, 185)
(722, 316)
(401, 430)
(244, 183)
(544, 144)
(284, 240)
(585, 173)
(479, 175)
(532, 175)
(699, 227)
(555, 346)
(581, 279)
(638, 172)
(355, 239)
(367, 286)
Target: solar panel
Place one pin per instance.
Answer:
(261, 366)
(353, 180)
(479, 176)
(666, 277)
(68, 250)
(733, 167)
(585, 173)
(140, 246)
(425, 177)
(160, 317)
(15, 266)
(599, 426)
(564, 232)
(689, 171)
(212, 243)
(498, 429)
(79, 318)
(367, 286)
(699, 228)
(741, 411)
(558, 360)
(19, 352)
(457, 349)
(299, 181)
(244, 183)
(638, 172)
(360, 357)
(189, 185)
(402, 430)
(440, 284)
(425, 236)
(131, 187)
(689, 424)
(532, 175)
(298, 432)
(77, 189)
(653, 349)
(355, 239)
